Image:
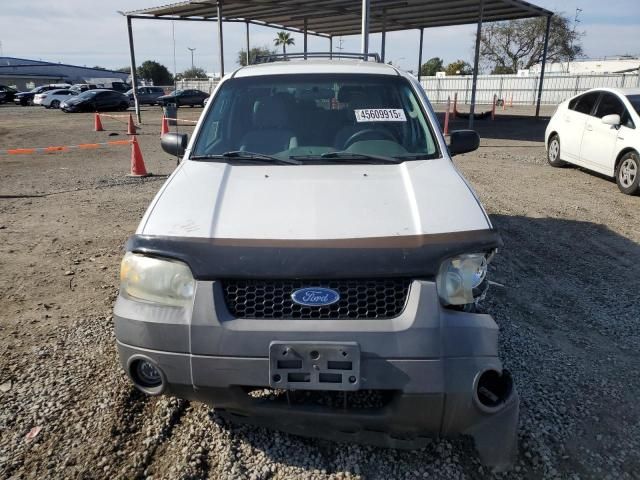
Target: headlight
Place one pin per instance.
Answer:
(460, 277)
(167, 282)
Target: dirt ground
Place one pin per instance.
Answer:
(567, 305)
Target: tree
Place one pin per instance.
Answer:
(124, 69)
(459, 67)
(284, 38)
(155, 72)
(253, 53)
(432, 66)
(192, 73)
(502, 70)
(519, 44)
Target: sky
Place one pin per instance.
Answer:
(91, 32)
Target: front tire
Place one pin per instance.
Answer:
(553, 152)
(628, 173)
(55, 104)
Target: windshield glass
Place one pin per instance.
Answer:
(635, 101)
(305, 116)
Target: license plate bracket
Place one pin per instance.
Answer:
(314, 365)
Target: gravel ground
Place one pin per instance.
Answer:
(568, 312)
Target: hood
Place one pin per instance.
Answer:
(217, 200)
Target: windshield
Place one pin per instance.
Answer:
(306, 116)
(635, 101)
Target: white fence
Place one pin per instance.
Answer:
(520, 90)
(523, 90)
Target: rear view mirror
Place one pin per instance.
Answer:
(174, 143)
(613, 120)
(463, 141)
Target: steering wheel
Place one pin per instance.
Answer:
(371, 132)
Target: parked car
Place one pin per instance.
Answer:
(146, 95)
(96, 100)
(53, 98)
(26, 98)
(7, 93)
(322, 248)
(121, 87)
(600, 131)
(184, 97)
(83, 87)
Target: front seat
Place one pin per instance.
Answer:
(355, 98)
(270, 132)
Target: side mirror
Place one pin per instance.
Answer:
(613, 120)
(463, 141)
(174, 143)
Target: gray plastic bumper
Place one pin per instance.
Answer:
(431, 358)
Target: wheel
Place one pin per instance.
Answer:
(553, 152)
(55, 104)
(123, 106)
(628, 173)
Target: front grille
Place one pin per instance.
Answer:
(359, 299)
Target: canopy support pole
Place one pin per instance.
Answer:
(220, 39)
(248, 45)
(331, 47)
(305, 38)
(544, 64)
(134, 76)
(420, 52)
(383, 48)
(476, 62)
(365, 27)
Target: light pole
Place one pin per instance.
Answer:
(191, 50)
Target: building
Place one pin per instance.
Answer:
(25, 74)
(622, 64)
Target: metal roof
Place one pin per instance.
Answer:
(343, 17)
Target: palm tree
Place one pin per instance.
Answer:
(284, 39)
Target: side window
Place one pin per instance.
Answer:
(609, 105)
(586, 103)
(574, 102)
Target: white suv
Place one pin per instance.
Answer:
(314, 264)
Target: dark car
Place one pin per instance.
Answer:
(184, 97)
(7, 93)
(146, 95)
(121, 87)
(26, 98)
(96, 100)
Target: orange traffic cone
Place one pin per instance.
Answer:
(131, 127)
(165, 126)
(97, 123)
(137, 163)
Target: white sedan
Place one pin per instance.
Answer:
(53, 98)
(599, 130)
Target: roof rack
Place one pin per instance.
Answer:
(278, 57)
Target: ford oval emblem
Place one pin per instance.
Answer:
(315, 297)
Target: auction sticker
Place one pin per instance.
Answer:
(380, 115)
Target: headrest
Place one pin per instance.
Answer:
(269, 112)
(347, 93)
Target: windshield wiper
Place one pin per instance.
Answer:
(349, 156)
(419, 156)
(242, 155)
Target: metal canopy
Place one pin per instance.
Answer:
(330, 18)
(344, 17)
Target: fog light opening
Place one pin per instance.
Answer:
(147, 376)
(493, 389)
